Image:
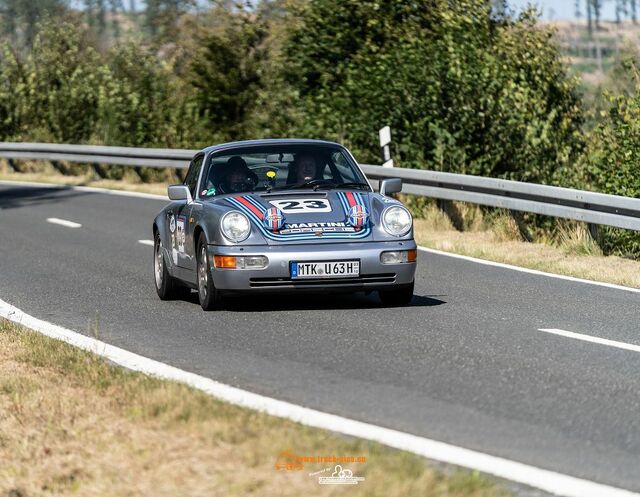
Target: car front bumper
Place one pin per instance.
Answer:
(276, 276)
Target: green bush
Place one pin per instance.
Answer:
(224, 73)
(62, 77)
(135, 100)
(612, 165)
(52, 93)
(462, 90)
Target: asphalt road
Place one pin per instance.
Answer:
(464, 364)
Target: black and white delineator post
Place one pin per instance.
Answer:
(385, 150)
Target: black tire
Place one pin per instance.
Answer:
(207, 294)
(166, 286)
(400, 296)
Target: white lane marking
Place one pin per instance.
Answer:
(549, 481)
(146, 242)
(89, 189)
(592, 339)
(63, 222)
(530, 271)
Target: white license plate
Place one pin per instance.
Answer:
(330, 269)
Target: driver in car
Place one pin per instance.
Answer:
(304, 169)
(237, 177)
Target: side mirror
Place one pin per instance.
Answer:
(391, 185)
(179, 192)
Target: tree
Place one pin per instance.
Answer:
(463, 90)
(136, 103)
(66, 76)
(225, 71)
(610, 162)
(20, 17)
(597, 8)
(52, 93)
(161, 16)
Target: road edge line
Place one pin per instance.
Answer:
(550, 481)
(536, 272)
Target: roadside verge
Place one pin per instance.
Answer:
(549, 481)
(73, 424)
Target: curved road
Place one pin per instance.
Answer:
(465, 363)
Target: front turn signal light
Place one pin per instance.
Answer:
(398, 256)
(224, 261)
(240, 261)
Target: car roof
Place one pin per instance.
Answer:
(270, 141)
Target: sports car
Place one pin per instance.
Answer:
(282, 216)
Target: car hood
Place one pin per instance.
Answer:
(316, 216)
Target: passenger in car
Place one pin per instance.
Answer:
(236, 176)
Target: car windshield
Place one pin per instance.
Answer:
(280, 167)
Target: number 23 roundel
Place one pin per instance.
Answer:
(301, 205)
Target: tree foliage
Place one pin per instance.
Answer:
(225, 71)
(612, 162)
(51, 93)
(19, 18)
(162, 16)
(462, 88)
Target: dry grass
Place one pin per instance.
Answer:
(71, 424)
(569, 251)
(43, 172)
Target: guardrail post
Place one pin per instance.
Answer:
(97, 171)
(452, 212)
(12, 165)
(518, 217)
(56, 165)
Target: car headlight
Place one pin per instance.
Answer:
(235, 226)
(396, 220)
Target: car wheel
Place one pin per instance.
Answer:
(166, 286)
(400, 296)
(207, 294)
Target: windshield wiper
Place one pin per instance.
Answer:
(306, 184)
(360, 186)
(322, 183)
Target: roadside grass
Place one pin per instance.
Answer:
(74, 424)
(569, 250)
(81, 175)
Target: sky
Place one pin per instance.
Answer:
(563, 9)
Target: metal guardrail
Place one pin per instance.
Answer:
(589, 207)
(97, 154)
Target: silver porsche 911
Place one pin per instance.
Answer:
(282, 216)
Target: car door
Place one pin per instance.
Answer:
(185, 216)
